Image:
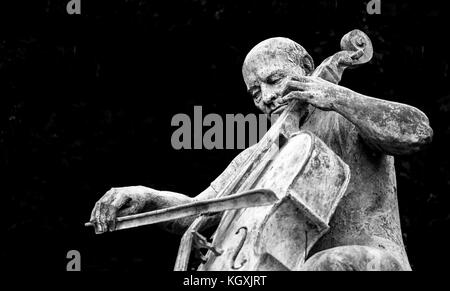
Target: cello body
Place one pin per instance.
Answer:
(309, 180)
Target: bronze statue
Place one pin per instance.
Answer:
(328, 199)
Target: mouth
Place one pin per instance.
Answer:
(278, 109)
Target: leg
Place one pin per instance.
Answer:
(352, 258)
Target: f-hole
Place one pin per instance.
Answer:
(238, 249)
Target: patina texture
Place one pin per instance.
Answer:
(310, 180)
(364, 132)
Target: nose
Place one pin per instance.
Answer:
(268, 95)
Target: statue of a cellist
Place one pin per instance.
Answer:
(358, 135)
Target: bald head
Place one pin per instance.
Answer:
(278, 49)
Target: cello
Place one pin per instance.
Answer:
(280, 200)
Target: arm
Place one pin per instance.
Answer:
(135, 199)
(390, 127)
(179, 226)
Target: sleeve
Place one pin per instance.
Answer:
(219, 183)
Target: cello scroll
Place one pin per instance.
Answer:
(356, 48)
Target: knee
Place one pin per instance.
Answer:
(352, 258)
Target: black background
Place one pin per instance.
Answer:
(86, 103)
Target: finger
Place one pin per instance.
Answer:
(120, 200)
(98, 226)
(132, 209)
(110, 213)
(296, 95)
(102, 216)
(95, 217)
(94, 211)
(303, 79)
(298, 85)
(293, 86)
(111, 218)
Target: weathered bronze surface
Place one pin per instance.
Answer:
(354, 225)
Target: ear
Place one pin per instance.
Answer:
(308, 64)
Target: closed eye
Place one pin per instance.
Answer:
(274, 79)
(256, 95)
(255, 92)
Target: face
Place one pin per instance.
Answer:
(266, 76)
